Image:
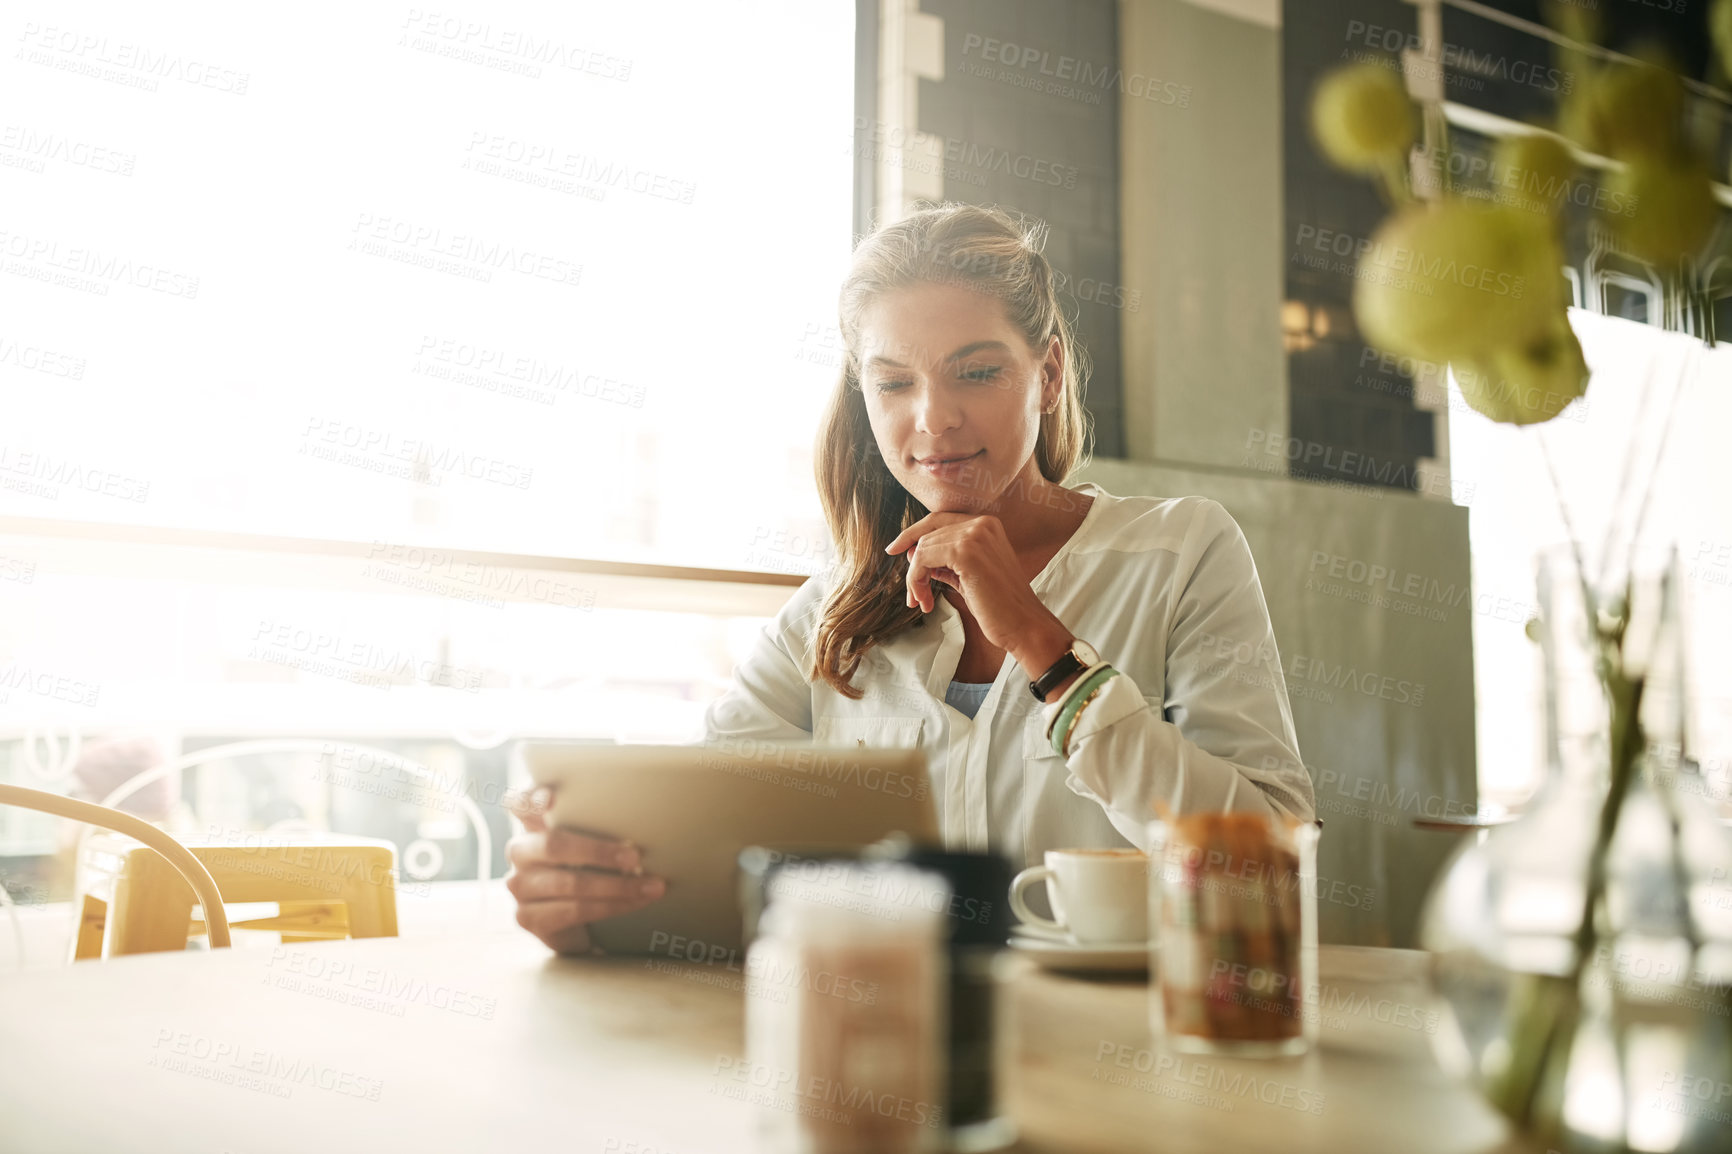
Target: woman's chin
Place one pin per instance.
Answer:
(940, 497)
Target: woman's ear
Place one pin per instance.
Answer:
(1052, 372)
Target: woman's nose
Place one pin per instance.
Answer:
(936, 410)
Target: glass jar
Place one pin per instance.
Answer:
(977, 927)
(1233, 933)
(851, 1061)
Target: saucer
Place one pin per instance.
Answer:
(1053, 953)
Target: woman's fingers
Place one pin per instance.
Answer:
(550, 919)
(544, 883)
(924, 570)
(555, 903)
(563, 879)
(917, 576)
(561, 846)
(531, 808)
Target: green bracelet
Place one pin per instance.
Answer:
(1061, 725)
(1076, 719)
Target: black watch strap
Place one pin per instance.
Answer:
(1067, 664)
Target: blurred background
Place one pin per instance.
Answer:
(380, 386)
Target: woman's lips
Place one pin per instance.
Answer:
(946, 469)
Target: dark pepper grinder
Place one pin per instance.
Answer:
(978, 922)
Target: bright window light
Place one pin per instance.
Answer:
(1515, 513)
(529, 279)
(540, 278)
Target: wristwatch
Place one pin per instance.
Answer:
(1077, 658)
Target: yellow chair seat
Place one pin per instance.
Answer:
(326, 886)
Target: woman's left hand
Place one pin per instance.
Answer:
(971, 553)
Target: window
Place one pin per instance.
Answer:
(355, 367)
(547, 280)
(1515, 514)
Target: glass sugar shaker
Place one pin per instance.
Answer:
(846, 1011)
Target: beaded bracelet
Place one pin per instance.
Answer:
(1067, 716)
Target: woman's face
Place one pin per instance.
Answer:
(945, 375)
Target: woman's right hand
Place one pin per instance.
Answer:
(563, 880)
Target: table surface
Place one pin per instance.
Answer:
(482, 1041)
(1466, 823)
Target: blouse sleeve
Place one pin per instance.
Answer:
(770, 697)
(1224, 739)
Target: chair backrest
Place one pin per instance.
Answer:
(483, 836)
(188, 866)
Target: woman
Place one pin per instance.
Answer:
(975, 591)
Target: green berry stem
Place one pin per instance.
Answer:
(1393, 179)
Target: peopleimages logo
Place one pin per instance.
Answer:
(553, 160)
(762, 973)
(36, 359)
(385, 445)
(91, 54)
(1317, 455)
(453, 575)
(37, 148)
(1415, 369)
(1490, 65)
(382, 235)
(1432, 268)
(336, 973)
(513, 373)
(330, 652)
(963, 160)
(1367, 682)
(42, 474)
(808, 1094)
(42, 253)
(1527, 188)
(226, 1060)
(59, 687)
(809, 768)
(524, 49)
(1225, 1084)
(1070, 74)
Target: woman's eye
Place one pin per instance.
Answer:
(985, 374)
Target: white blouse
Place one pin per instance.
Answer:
(1166, 590)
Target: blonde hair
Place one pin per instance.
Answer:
(986, 250)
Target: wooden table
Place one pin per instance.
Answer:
(1082, 1073)
(1467, 823)
(488, 1042)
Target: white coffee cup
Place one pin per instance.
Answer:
(1099, 895)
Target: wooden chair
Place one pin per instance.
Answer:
(168, 856)
(325, 886)
(310, 907)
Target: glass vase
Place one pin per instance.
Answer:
(1613, 1032)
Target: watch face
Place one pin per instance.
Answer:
(1085, 652)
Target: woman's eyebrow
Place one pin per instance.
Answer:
(956, 356)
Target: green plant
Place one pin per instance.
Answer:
(1503, 329)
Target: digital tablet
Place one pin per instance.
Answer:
(691, 809)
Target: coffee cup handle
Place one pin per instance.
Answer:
(1019, 907)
